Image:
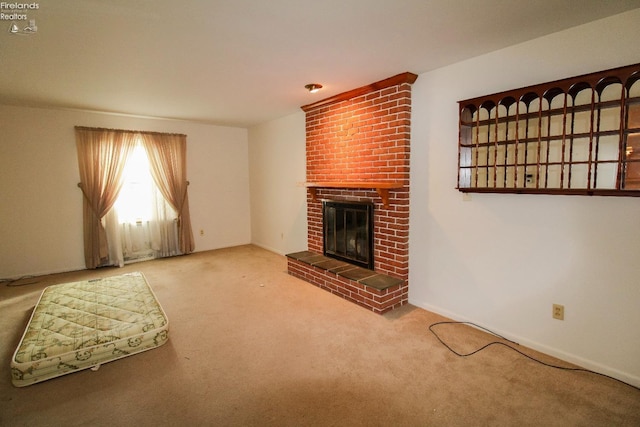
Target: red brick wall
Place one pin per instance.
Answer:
(364, 139)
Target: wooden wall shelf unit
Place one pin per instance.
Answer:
(579, 136)
(382, 188)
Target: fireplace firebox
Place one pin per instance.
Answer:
(348, 232)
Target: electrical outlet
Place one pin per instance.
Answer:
(558, 311)
(202, 232)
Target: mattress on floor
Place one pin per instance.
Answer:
(84, 324)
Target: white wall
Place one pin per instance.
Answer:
(277, 169)
(41, 208)
(503, 260)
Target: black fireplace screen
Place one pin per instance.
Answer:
(348, 232)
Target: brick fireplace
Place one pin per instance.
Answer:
(358, 148)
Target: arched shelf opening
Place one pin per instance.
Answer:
(579, 135)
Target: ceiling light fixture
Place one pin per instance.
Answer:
(313, 87)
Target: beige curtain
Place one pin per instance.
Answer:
(168, 158)
(101, 159)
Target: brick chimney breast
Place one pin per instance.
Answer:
(362, 138)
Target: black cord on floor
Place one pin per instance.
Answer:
(514, 349)
(12, 282)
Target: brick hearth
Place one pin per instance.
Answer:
(375, 291)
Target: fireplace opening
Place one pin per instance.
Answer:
(348, 232)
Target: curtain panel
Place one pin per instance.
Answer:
(101, 159)
(102, 155)
(168, 158)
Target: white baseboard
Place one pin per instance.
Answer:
(45, 272)
(268, 248)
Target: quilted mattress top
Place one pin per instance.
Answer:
(79, 315)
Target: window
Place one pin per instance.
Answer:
(140, 214)
(136, 196)
(103, 155)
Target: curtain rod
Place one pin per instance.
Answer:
(129, 131)
(80, 184)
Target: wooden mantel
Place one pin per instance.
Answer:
(382, 188)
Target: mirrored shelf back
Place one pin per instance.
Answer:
(579, 135)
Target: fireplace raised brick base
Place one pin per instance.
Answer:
(375, 291)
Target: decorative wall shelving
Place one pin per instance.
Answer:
(580, 135)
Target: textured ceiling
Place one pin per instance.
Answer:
(243, 62)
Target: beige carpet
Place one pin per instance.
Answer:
(252, 346)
